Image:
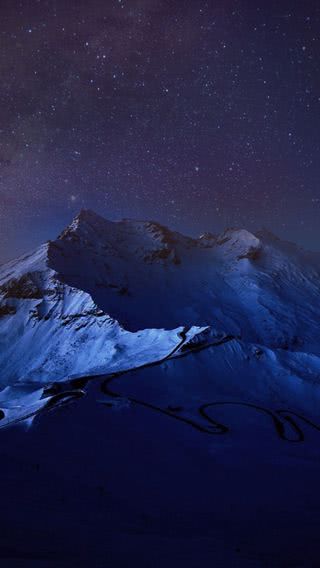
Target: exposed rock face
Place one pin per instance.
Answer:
(7, 310)
(22, 288)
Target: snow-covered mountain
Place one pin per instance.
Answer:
(147, 276)
(106, 297)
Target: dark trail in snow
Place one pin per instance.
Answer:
(280, 418)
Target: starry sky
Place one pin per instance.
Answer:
(199, 114)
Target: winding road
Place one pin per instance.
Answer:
(282, 419)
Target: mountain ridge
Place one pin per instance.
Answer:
(107, 297)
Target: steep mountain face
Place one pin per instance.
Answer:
(100, 298)
(51, 331)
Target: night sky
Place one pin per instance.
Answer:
(199, 114)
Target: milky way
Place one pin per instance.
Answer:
(198, 114)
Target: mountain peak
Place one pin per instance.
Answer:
(84, 222)
(89, 216)
(89, 226)
(241, 243)
(236, 233)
